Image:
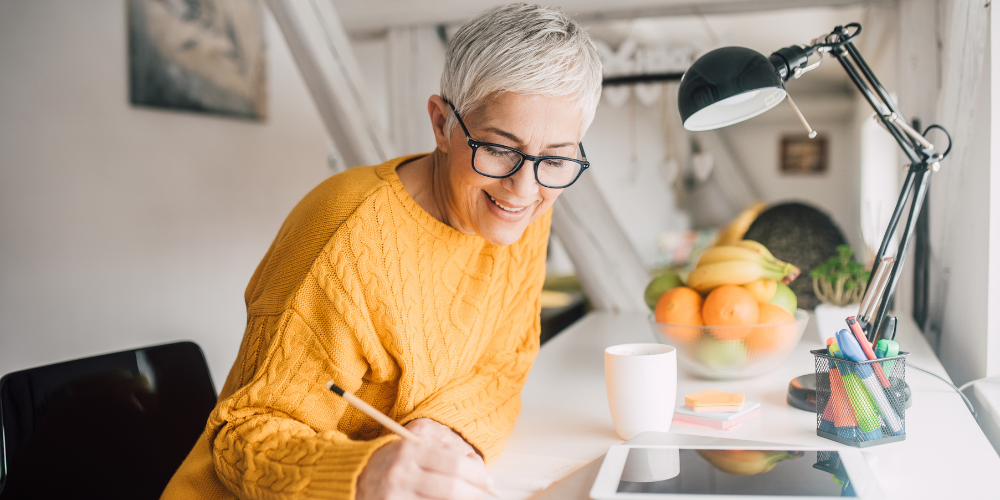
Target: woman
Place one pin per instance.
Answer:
(413, 284)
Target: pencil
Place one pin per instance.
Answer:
(381, 418)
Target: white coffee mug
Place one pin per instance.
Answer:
(642, 387)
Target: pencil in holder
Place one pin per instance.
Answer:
(857, 406)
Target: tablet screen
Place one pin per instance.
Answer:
(735, 472)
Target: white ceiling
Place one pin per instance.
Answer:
(762, 25)
(764, 32)
(361, 16)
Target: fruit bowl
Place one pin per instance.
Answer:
(731, 352)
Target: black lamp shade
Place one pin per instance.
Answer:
(727, 86)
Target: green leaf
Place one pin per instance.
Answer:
(842, 267)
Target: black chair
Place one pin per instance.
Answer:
(107, 427)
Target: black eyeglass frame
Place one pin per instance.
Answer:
(475, 145)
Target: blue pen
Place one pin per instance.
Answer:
(850, 346)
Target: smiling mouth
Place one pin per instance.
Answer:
(505, 208)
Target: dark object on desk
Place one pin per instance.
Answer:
(556, 319)
(801, 235)
(802, 393)
(106, 427)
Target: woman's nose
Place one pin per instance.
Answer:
(522, 183)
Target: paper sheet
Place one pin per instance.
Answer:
(519, 477)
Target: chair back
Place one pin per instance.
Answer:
(111, 426)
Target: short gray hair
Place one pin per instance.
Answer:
(524, 49)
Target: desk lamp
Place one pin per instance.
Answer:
(733, 84)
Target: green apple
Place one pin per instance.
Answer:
(717, 353)
(785, 297)
(659, 286)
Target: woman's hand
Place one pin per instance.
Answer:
(408, 470)
(430, 430)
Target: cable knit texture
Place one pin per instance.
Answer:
(365, 288)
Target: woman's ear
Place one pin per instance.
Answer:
(438, 111)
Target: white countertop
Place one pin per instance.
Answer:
(565, 411)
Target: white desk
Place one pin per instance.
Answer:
(565, 412)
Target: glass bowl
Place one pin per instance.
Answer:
(731, 352)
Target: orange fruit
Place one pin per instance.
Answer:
(767, 338)
(680, 308)
(773, 313)
(730, 305)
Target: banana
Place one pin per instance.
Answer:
(733, 272)
(747, 462)
(763, 290)
(756, 246)
(740, 264)
(735, 230)
(793, 272)
(729, 252)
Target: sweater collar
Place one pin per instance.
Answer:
(387, 172)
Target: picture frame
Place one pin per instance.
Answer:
(802, 155)
(206, 56)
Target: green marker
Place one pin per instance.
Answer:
(865, 412)
(887, 349)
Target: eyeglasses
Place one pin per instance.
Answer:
(499, 161)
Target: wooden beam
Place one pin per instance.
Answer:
(415, 58)
(609, 268)
(323, 54)
(729, 172)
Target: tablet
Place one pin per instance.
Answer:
(759, 473)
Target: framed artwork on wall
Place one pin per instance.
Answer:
(802, 155)
(198, 55)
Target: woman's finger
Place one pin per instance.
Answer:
(446, 461)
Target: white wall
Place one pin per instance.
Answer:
(120, 226)
(960, 246)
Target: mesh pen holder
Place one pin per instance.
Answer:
(860, 403)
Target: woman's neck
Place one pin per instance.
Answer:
(426, 181)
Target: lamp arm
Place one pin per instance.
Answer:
(923, 184)
(920, 152)
(882, 109)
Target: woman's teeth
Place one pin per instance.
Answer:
(511, 210)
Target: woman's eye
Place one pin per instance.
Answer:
(501, 152)
(553, 163)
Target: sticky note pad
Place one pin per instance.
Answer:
(717, 420)
(714, 400)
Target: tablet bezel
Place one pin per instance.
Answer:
(608, 477)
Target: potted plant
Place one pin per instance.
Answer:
(839, 284)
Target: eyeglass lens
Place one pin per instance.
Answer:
(497, 161)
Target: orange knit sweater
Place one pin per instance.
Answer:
(365, 288)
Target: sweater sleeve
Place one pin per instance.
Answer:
(277, 436)
(482, 405)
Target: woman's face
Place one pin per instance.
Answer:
(499, 210)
